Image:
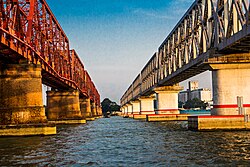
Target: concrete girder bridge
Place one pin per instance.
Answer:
(212, 35)
(34, 50)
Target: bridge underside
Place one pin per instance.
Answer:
(197, 66)
(239, 43)
(49, 76)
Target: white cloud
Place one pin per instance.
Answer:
(174, 11)
(151, 13)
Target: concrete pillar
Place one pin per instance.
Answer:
(136, 107)
(167, 99)
(125, 109)
(21, 95)
(122, 109)
(85, 107)
(230, 81)
(63, 105)
(130, 109)
(147, 105)
(99, 110)
(93, 109)
(21, 101)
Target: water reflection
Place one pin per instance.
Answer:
(127, 142)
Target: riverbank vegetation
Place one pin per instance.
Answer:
(194, 103)
(109, 106)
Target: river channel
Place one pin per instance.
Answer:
(118, 141)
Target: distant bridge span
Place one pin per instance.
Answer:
(212, 35)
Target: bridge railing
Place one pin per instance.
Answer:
(207, 24)
(149, 73)
(127, 95)
(77, 71)
(136, 86)
(91, 89)
(147, 78)
(33, 23)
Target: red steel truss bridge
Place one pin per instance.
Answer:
(29, 32)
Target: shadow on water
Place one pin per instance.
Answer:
(126, 142)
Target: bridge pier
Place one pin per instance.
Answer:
(128, 110)
(123, 110)
(94, 109)
(85, 108)
(135, 107)
(21, 108)
(230, 81)
(99, 111)
(167, 99)
(147, 105)
(63, 107)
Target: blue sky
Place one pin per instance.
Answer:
(115, 38)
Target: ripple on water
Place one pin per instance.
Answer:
(127, 142)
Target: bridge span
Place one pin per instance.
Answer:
(34, 50)
(212, 35)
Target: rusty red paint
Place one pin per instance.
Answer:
(29, 30)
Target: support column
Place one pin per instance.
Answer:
(63, 107)
(136, 107)
(99, 111)
(85, 107)
(122, 109)
(230, 81)
(167, 99)
(125, 110)
(147, 105)
(93, 109)
(130, 109)
(21, 107)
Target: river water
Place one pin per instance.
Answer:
(118, 141)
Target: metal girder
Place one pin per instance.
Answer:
(30, 31)
(209, 28)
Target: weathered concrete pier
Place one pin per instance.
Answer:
(21, 108)
(63, 107)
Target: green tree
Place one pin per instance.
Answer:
(180, 104)
(105, 105)
(114, 107)
(108, 105)
(195, 103)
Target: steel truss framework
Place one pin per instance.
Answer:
(29, 31)
(209, 26)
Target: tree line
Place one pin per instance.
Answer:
(194, 103)
(109, 106)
